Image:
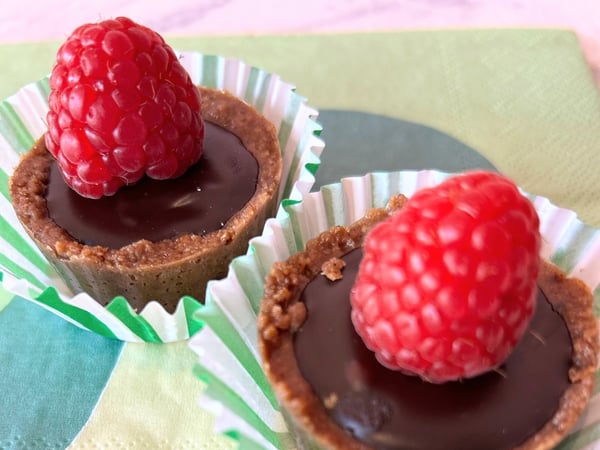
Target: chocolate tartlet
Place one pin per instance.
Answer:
(336, 395)
(158, 240)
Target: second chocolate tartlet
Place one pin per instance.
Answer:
(337, 396)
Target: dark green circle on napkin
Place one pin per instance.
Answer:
(359, 142)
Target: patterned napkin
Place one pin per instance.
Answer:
(524, 98)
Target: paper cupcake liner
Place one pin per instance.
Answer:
(25, 272)
(228, 361)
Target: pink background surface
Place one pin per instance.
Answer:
(33, 20)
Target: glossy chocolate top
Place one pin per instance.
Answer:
(388, 410)
(200, 201)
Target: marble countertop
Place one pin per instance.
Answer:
(35, 20)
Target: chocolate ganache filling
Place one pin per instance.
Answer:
(388, 410)
(200, 201)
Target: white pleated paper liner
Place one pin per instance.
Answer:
(238, 392)
(25, 272)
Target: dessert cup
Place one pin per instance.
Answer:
(238, 138)
(338, 396)
(26, 272)
(238, 390)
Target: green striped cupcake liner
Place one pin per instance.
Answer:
(26, 273)
(238, 392)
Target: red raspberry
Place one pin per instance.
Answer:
(121, 106)
(447, 286)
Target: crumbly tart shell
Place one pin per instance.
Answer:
(281, 315)
(165, 270)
